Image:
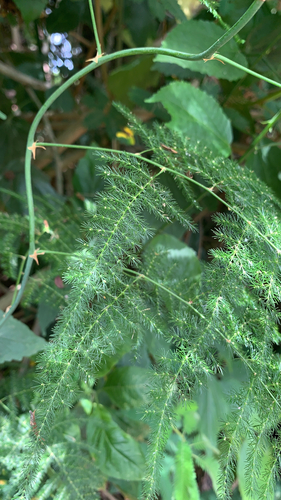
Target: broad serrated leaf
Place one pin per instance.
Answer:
(17, 341)
(117, 453)
(196, 114)
(194, 37)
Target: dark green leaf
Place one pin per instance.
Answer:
(137, 73)
(30, 9)
(159, 9)
(85, 179)
(266, 162)
(66, 16)
(108, 362)
(139, 97)
(46, 314)
(169, 252)
(138, 20)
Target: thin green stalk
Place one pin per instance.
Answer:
(67, 254)
(18, 278)
(254, 7)
(95, 27)
(247, 70)
(263, 133)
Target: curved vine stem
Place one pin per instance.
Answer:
(98, 61)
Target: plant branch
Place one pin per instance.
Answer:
(20, 77)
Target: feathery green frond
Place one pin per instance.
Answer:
(125, 282)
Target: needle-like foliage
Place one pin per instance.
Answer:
(121, 290)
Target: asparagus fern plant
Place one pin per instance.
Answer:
(120, 287)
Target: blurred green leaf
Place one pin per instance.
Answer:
(64, 103)
(30, 9)
(85, 180)
(266, 163)
(140, 96)
(17, 340)
(264, 55)
(196, 114)
(166, 485)
(190, 416)
(137, 73)
(127, 386)
(212, 408)
(130, 421)
(171, 253)
(159, 9)
(46, 314)
(185, 477)
(117, 454)
(238, 121)
(138, 20)
(108, 362)
(59, 21)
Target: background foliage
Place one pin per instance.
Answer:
(97, 443)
